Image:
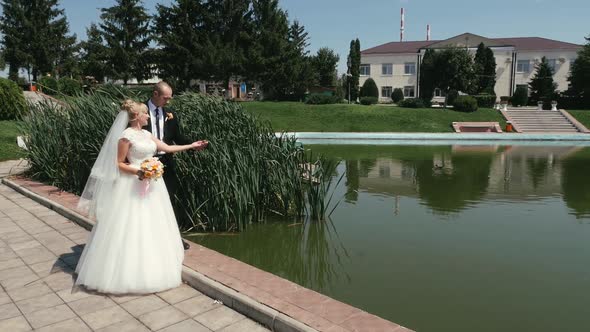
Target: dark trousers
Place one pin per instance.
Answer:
(171, 181)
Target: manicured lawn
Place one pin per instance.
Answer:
(8, 148)
(293, 116)
(581, 115)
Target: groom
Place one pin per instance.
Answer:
(163, 124)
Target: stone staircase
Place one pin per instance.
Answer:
(527, 120)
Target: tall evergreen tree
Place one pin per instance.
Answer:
(13, 26)
(580, 74)
(266, 54)
(93, 54)
(325, 62)
(485, 70)
(542, 86)
(353, 68)
(179, 30)
(298, 67)
(428, 75)
(125, 29)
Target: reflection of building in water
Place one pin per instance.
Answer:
(516, 173)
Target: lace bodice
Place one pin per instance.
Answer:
(142, 146)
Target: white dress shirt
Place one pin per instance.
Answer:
(152, 111)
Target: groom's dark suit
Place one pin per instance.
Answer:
(172, 136)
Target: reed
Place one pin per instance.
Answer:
(246, 173)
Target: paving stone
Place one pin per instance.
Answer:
(25, 245)
(8, 310)
(50, 316)
(106, 317)
(74, 294)
(59, 281)
(245, 325)
(189, 325)
(125, 298)
(144, 305)
(21, 281)
(15, 272)
(197, 305)
(43, 269)
(163, 317)
(91, 304)
(219, 318)
(4, 298)
(27, 292)
(38, 303)
(15, 324)
(70, 325)
(178, 294)
(11, 263)
(131, 325)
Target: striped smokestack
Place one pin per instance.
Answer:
(401, 30)
(428, 32)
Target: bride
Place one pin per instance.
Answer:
(135, 245)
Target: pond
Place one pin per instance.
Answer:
(443, 238)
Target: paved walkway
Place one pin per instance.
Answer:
(39, 250)
(12, 167)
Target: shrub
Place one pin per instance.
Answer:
(485, 100)
(451, 96)
(368, 100)
(48, 85)
(397, 95)
(12, 100)
(322, 99)
(412, 103)
(369, 89)
(520, 96)
(69, 86)
(505, 98)
(465, 104)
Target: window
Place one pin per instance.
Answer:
(409, 91)
(387, 69)
(365, 70)
(438, 93)
(522, 66)
(410, 68)
(386, 91)
(552, 64)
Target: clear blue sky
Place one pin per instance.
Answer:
(333, 23)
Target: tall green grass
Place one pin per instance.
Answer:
(245, 174)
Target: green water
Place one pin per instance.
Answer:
(447, 238)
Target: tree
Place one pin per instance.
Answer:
(93, 54)
(266, 53)
(325, 62)
(124, 28)
(485, 70)
(449, 69)
(580, 73)
(542, 85)
(180, 34)
(354, 63)
(14, 41)
(428, 75)
(300, 75)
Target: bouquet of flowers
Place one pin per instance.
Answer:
(150, 169)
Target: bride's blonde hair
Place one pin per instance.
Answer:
(133, 108)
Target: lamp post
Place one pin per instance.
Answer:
(348, 76)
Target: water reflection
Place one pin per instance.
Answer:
(450, 179)
(307, 253)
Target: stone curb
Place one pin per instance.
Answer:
(241, 303)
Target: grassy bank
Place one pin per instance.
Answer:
(8, 148)
(293, 116)
(583, 116)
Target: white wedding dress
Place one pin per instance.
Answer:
(135, 246)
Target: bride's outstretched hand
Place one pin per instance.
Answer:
(200, 145)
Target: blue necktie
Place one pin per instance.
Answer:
(158, 122)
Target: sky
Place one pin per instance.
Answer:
(334, 23)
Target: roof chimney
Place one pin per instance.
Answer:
(401, 30)
(427, 31)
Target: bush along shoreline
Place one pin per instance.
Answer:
(246, 174)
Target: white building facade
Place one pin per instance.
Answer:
(397, 64)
